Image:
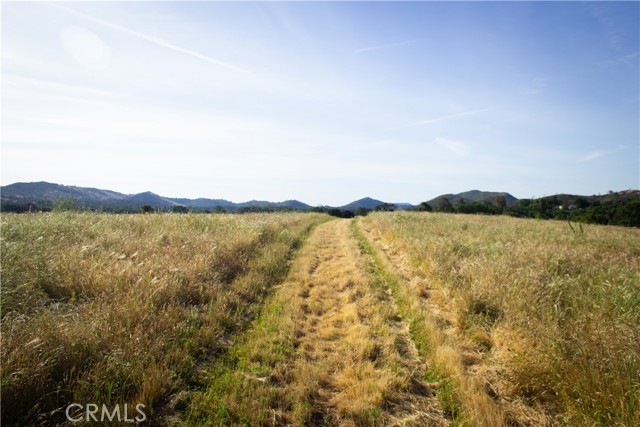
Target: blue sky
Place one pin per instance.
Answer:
(324, 102)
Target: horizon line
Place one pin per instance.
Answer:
(533, 197)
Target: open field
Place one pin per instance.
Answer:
(390, 319)
(128, 308)
(330, 349)
(531, 322)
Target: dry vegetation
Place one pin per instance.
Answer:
(329, 349)
(129, 308)
(525, 322)
(392, 319)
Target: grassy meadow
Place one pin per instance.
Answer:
(129, 308)
(526, 322)
(328, 349)
(396, 318)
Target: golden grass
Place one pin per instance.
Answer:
(100, 308)
(510, 321)
(527, 322)
(328, 349)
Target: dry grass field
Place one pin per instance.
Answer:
(329, 349)
(529, 322)
(394, 319)
(128, 308)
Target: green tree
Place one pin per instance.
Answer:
(628, 215)
(475, 208)
(424, 207)
(340, 213)
(501, 203)
(180, 209)
(386, 207)
(147, 209)
(444, 205)
(581, 203)
(362, 211)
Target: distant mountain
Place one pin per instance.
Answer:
(25, 196)
(149, 199)
(202, 203)
(34, 191)
(43, 195)
(290, 204)
(295, 204)
(474, 196)
(611, 197)
(367, 203)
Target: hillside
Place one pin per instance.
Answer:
(611, 197)
(475, 196)
(613, 208)
(202, 203)
(290, 204)
(149, 199)
(367, 203)
(44, 196)
(23, 196)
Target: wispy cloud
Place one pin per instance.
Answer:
(596, 154)
(457, 147)
(386, 46)
(602, 12)
(628, 59)
(446, 118)
(155, 40)
(535, 86)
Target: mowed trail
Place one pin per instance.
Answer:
(354, 362)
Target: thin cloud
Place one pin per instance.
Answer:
(535, 86)
(629, 59)
(446, 118)
(155, 40)
(386, 46)
(457, 147)
(596, 154)
(603, 14)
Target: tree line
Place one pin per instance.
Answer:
(609, 211)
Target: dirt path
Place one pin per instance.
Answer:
(354, 361)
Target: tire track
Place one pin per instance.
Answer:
(354, 363)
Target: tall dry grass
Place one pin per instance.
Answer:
(328, 349)
(545, 317)
(100, 308)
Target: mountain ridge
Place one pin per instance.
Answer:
(365, 202)
(42, 195)
(474, 196)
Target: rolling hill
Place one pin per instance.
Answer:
(475, 196)
(25, 196)
(44, 195)
(367, 203)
